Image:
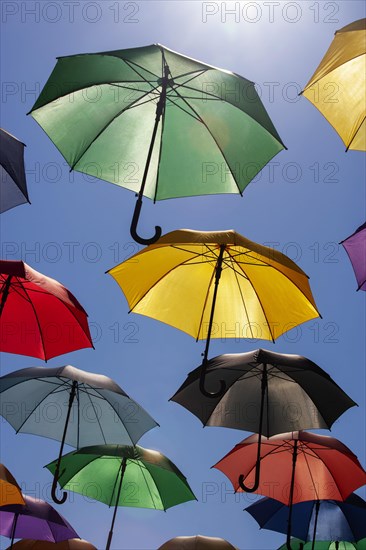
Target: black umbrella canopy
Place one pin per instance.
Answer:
(13, 186)
(297, 394)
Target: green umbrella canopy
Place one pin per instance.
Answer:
(150, 479)
(156, 122)
(297, 544)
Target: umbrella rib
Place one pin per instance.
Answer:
(38, 323)
(329, 470)
(32, 411)
(204, 304)
(311, 476)
(114, 486)
(70, 309)
(213, 137)
(181, 108)
(328, 73)
(147, 485)
(262, 307)
(96, 416)
(212, 96)
(108, 124)
(161, 134)
(78, 425)
(246, 114)
(158, 281)
(116, 411)
(206, 254)
(356, 132)
(240, 291)
(131, 63)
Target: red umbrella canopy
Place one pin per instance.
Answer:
(324, 469)
(39, 316)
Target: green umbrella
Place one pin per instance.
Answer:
(156, 122)
(156, 481)
(297, 544)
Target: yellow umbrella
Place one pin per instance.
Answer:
(10, 492)
(338, 86)
(175, 280)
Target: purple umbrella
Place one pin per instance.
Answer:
(36, 520)
(355, 246)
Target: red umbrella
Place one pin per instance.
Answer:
(295, 467)
(39, 316)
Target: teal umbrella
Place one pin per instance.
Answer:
(156, 122)
(91, 409)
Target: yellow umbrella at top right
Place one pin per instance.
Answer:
(338, 86)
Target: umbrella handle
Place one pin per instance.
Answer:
(55, 498)
(206, 393)
(134, 222)
(256, 480)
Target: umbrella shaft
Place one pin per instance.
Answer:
(13, 529)
(6, 288)
(110, 535)
(217, 280)
(71, 399)
(294, 457)
(159, 111)
(315, 523)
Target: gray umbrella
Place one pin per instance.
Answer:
(13, 186)
(266, 393)
(72, 406)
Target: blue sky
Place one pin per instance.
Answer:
(306, 201)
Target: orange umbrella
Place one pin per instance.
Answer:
(197, 543)
(10, 492)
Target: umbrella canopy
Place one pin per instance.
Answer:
(157, 482)
(297, 393)
(295, 467)
(326, 545)
(70, 544)
(216, 284)
(185, 128)
(13, 185)
(10, 492)
(322, 520)
(87, 408)
(324, 469)
(36, 519)
(355, 246)
(338, 86)
(39, 316)
(197, 543)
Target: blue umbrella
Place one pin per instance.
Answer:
(314, 520)
(13, 186)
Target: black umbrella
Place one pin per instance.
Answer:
(266, 393)
(13, 186)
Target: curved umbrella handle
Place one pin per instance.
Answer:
(206, 393)
(256, 479)
(134, 222)
(55, 498)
